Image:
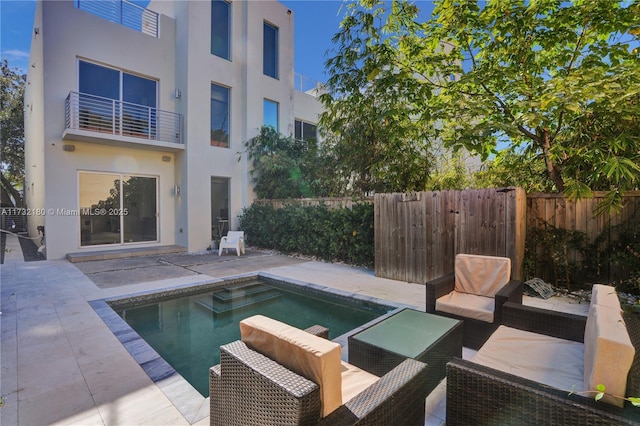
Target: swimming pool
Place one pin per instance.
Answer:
(186, 327)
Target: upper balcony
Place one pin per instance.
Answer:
(124, 13)
(307, 85)
(107, 121)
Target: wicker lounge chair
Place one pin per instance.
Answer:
(476, 281)
(480, 395)
(248, 388)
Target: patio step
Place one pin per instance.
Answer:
(123, 253)
(229, 299)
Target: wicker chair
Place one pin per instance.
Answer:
(481, 395)
(247, 388)
(476, 331)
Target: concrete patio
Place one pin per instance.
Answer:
(60, 363)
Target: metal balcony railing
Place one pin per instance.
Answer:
(124, 13)
(104, 115)
(302, 83)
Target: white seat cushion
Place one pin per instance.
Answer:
(543, 359)
(310, 356)
(355, 380)
(467, 305)
(481, 275)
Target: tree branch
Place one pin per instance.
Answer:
(574, 56)
(11, 190)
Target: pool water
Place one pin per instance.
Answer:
(187, 331)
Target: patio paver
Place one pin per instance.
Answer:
(60, 364)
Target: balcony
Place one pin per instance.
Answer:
(96, 119)
(124, 13)
(307, 85)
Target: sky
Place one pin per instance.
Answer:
(315, 23)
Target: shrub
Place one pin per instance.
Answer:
(343, 235)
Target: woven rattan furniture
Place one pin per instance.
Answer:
(429, 338)
(481, 395)
(476, 331)
(248, 388)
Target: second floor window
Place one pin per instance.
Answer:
(270, 114)
(110, 97)
(108, 82)
(270, 51)
(221, 29)
(219, 116)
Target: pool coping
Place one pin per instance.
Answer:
(189, 402)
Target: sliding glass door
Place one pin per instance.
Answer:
(117, 208)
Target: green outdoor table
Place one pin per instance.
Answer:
(429, 338)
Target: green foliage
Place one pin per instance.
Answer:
(371, 121)
(511, 169)
(559, 82)
(622, 248)
(344, 234)
(450, 173)
(600, 391)
(11, 135)
(565, 257)
(284, 167)
(550, 250)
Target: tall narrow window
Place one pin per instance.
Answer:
(270, 114)
(221, 29)
(219, 116)
(270, 51)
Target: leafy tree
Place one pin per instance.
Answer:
(11, 136)
(509, 168)
(557, 81)
(450, 173)
(370, 117)
(283, 167)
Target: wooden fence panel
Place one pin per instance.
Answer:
(553, 210)
(419, 234)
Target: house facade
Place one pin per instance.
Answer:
(135, 118)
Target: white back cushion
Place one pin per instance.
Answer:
(605, 295)
(310, 356)
(608, 352)
(481, 275)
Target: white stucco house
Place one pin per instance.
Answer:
(134, 118)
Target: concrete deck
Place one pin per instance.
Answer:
(60, 363)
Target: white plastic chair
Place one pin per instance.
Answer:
(234, 240)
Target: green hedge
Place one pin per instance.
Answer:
(343, 235)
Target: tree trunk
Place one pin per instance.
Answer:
(8, 189)
(552, 168)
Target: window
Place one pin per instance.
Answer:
(306, 131)
(270, 114)
(270, 51)
(117, 208)
(135, 112)
(219, 115)
(221, 29)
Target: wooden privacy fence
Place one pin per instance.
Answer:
(417, 235)
(553, 212)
